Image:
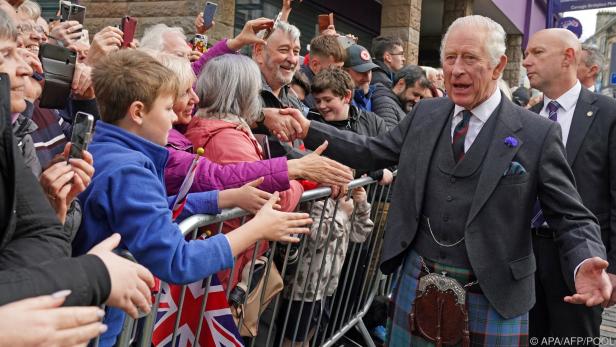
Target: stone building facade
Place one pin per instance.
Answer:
(101, 13)
(411, 20)
(604, 38)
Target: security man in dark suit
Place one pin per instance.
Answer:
(588, 123)
(470, 168)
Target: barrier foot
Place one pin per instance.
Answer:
(365, 334)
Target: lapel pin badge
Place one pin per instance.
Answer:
(589, 114)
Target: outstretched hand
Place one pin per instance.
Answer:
(248, 197)
(320, 169)
(248, 35)
(592, 284)
(281, 226)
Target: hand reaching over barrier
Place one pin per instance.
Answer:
(320, 169)
(248, 197)
(269, 224)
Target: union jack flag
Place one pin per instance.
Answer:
(218, 328)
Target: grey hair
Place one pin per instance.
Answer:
(153, 37)
(228, 87)
(8, 29)
(285, 27)
(180, 66)
(30, 9)
(593, 56)
(495, 43)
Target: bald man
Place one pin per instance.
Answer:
(588, 123)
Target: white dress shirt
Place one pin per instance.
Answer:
(564, 113)
(480, 116)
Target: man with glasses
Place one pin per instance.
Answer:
(389, 56)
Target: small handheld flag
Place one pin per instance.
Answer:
(180, 198)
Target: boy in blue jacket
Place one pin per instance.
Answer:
(135, 94)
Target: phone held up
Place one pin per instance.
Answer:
(128, 27)
(325, 20)
(70, 11)
(208, 13)
(82, 133)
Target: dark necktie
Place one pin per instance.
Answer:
(538, 218)
(553, 107)
(459, 135)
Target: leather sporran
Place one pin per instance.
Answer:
(439, 313)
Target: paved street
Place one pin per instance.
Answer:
(608, 326)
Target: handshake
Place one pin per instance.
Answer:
(287, 124)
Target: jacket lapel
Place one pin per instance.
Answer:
(499, 156)
(427, 139)
(583, 117)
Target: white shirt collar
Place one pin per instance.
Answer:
(484, 110)
(568, 100)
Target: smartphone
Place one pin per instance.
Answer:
(325, 20)
(208, 13)
(78, 13)
(82, 131)
(200, 43)
(65, 10)
(128, 27)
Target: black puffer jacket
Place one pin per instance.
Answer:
(387, 105)
(361, 122)
(382, 74)
(34, 251)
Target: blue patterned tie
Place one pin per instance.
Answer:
(553, 107)
(538, 218)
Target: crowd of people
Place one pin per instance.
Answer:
(512, 194)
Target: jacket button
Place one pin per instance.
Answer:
(452, 180)
(403, 244)
(449, 198)
(445, 218)
(416, 218)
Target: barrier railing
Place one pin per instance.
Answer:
(323, 312)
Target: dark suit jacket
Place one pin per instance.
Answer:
(591, 153)
(498, 238)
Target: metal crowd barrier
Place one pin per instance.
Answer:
(359, 282)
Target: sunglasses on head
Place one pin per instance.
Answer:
(268, 32)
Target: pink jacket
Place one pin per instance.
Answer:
(224, 144)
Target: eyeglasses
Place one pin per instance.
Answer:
(400, 53)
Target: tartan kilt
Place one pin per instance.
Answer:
(486, 326)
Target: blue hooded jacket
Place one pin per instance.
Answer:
(127, 196)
